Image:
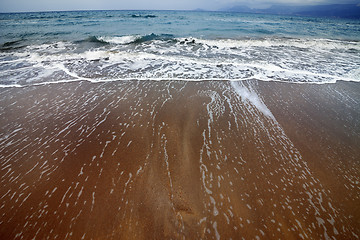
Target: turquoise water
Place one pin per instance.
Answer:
(120, 45)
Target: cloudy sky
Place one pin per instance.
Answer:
(53, 5)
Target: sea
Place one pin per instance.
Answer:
(52, 47)
(179, 125)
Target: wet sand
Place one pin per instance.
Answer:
(175, 160)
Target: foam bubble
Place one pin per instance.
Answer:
(119, 40)
(249, 95)
(316, 61)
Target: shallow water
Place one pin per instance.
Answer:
(172, 45)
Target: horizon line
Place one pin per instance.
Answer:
(187, 10)
(85, 10)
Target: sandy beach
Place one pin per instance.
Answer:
(180, 160)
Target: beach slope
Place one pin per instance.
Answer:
(177, 159)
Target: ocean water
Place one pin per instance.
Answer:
(43, 48)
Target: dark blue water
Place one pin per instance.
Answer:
(69, 26)
(119, 45)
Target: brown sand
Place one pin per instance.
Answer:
(194, 160)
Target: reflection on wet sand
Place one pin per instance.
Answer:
(173, 159)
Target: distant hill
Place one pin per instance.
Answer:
(199, 10)
(334, 10)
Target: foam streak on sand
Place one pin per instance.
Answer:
(174, 160)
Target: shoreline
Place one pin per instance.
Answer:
(167, 80)
(174, 159)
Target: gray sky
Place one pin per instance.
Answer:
(53, 5)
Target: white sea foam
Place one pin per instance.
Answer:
(253, 98)
(10, 85)
(316, 61)
(317, 44)
(119, 40)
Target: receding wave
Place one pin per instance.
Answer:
(165, 57)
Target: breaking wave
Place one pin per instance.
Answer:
(165, 57)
